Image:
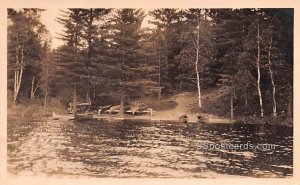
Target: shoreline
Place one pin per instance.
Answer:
(37, 111)
(208, 120)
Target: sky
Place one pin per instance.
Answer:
(48, 19)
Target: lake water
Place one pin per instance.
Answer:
(146, 149)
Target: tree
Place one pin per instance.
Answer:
(153, 46)
(170, 21)
(258, 71)
(71, 71)
(25, 40)
(198, 49)
(125, 42)
(48, 70)
(229, 32)
(243, 40)
(277, 35)
(90, 35)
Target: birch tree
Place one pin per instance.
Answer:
(18, 72)
(272, 79)
(258, 38)
(197, 55)
(25, 33)
(16, 43)
(197, 46)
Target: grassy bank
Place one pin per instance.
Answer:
(34, 108)
(217, 103)
(215, 106)
(267, 120)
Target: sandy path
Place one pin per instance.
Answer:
(184, 101)
(187, 100)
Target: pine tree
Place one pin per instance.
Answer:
(72, 71)
(91, 18)
(47, 71)
(171, 22)
(126, 47)
(153, 46)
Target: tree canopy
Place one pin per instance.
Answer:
(108, 55)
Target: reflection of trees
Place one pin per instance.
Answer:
(21, 127)
(93, 142)
(130, 131)
(79, 138)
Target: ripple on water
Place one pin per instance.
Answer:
(141, 149)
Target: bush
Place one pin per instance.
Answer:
(160, 105)
(267, 120)
(33, 108)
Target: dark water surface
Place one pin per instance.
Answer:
(145, 149)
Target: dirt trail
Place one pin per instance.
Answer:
(183, 100)
(187, 100)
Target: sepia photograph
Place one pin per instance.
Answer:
(150, 92)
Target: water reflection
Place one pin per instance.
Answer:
(144, 149)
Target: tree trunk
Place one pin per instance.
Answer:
(46, 84)
(272, 81)
(258, 73)
(94, 92)
(231, 105)
(246, 98)
(121, 113)
(198, 81)
(18, 73)
(197, 67)
(33, 87)
(88, 99)
(159, 77)
(46, 96)
(75, 102)
(290, 105)
(16, 81)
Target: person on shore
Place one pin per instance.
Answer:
(183, 118)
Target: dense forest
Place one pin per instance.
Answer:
(109, 57)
